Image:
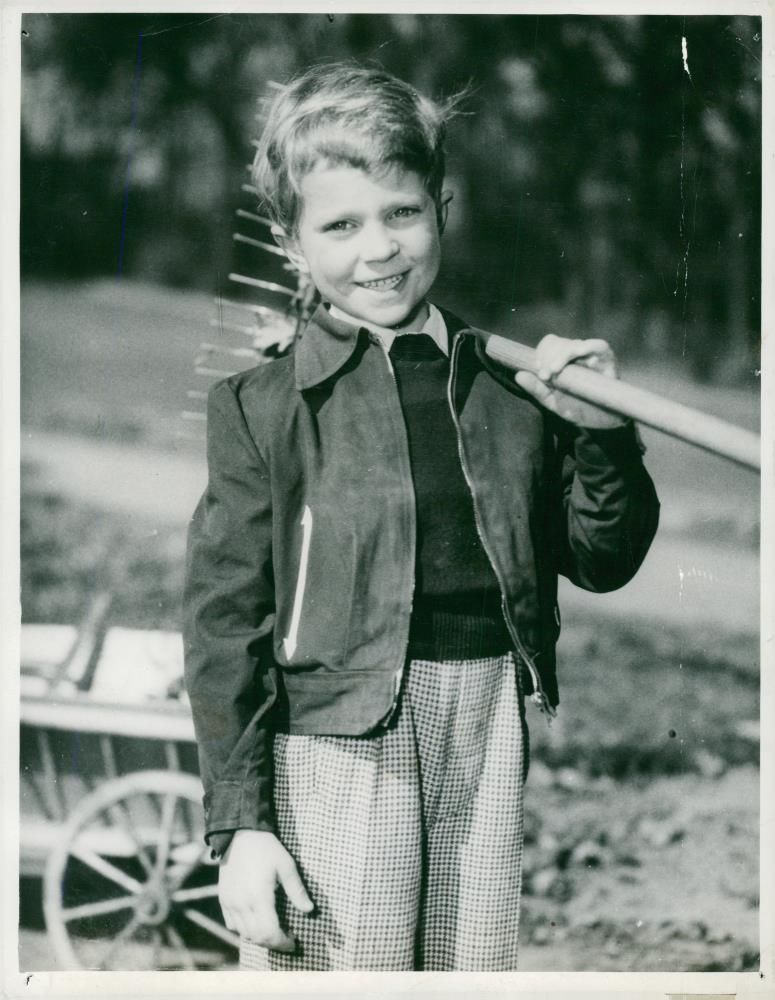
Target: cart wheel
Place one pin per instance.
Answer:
(130, 886)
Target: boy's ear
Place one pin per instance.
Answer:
(446, 198)
(290, 247)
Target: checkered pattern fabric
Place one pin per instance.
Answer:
(410, 843)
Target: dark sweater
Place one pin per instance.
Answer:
(456, 612)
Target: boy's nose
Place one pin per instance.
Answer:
(379, 244)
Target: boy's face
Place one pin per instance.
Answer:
(370, 243)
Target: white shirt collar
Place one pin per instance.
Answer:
(434, 326)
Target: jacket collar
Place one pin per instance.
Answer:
(328, 343)
(324, 347)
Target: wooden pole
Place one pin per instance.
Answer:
(675, 419)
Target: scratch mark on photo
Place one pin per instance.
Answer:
(186, 24)
(132, 129)
(685, 56)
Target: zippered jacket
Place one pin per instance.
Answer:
(301, 554)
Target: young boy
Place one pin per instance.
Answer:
(372, 572)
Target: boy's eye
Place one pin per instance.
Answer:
(405, 211)
(339, 226)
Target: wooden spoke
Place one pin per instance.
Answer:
(98, 909)
(165, 832)
(59, 809)
(208, 924)
(105, 868)
(179, 944)
(108, 756)
(190, 819)
(177, 873)
(172, 756)
(122, 816)
(37, 787)
(198, 892)
(120, 939)
(156, 953)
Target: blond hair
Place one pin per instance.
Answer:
(344, 113)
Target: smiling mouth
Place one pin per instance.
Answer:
(383, 284)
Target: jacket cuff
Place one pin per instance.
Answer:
(219, 843)
(235, 805)
(611, 445)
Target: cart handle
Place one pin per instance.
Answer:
(81, 714)
(679, 421)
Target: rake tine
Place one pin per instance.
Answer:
(270, 286)
(248, 331)
(236, 352)
(263, 311)
(264, 220)
(259, 244)
(212, 372)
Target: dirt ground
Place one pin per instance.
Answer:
(660, 878)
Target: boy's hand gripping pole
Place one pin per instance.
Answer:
(675, 419)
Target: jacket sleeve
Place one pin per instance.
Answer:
(610, 509)
(228, 620)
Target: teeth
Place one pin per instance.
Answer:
(383, 282)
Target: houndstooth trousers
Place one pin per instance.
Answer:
(410, 842)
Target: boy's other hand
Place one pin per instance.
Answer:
(252, 868)
(552, 355)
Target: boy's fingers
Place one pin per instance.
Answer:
(554, 353)
(595, 346)
(293, 886)
(234, 922)
(264, 928)
(532, 384)
(282, 942)
(554, 356)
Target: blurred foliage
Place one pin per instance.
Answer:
(602, 185)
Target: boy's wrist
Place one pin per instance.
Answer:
(221, 841)
(621, 443)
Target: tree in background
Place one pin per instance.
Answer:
(602, 183)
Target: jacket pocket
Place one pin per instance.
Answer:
(291, 640)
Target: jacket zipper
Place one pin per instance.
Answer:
(400, 673)
(539, 695)
(291, 640)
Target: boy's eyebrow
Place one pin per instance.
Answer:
(328, 215)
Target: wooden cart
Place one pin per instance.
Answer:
(111, 813)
